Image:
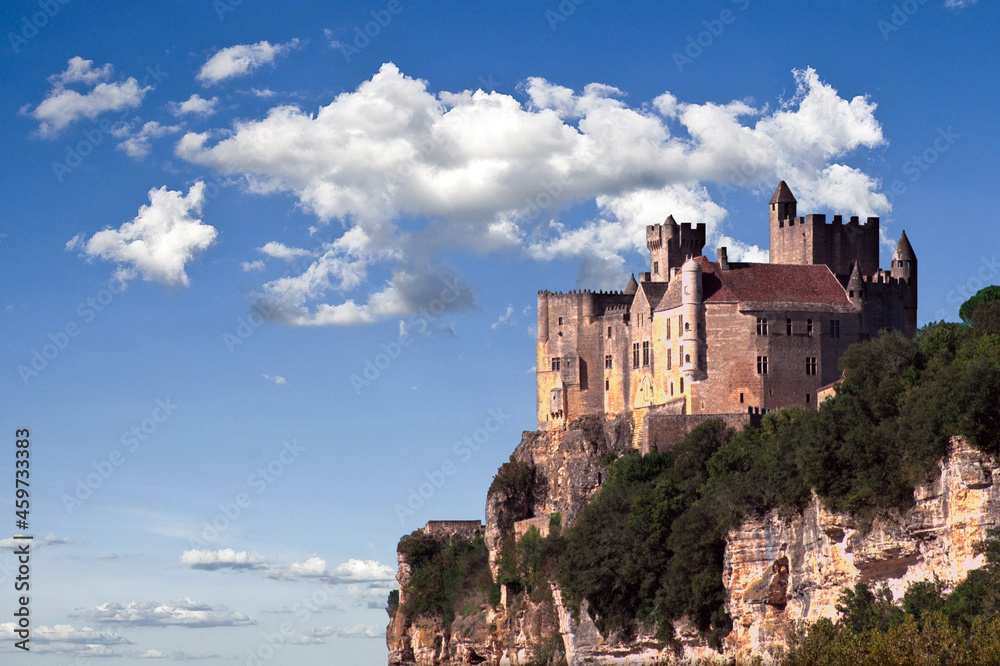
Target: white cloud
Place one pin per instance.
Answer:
(227, 558)
(262, 92)
(411, 172)
(959, 4)
(276, 379)
(182, 613)
(11, 543)
(312, 568)
(194, 105)
(66, 633)
(240, 60)
(359, 631)
(282, 251)
(316, 636)
(159, 242)
(249, 266)
(137, 145)
(504, 318)
(63, 105)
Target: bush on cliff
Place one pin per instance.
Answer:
(444, 573)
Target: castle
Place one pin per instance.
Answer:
(699, 337)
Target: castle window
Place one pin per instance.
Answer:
(808, 398)
(560, 321)
(680, 323)
(811, 365)
(682, 385)
(607, 361)
(761, 365)
(645, 352)
(671, 389)
(569, 363)
(687, 358)
(656, 267)
(834, 328)
(635, 354)
(670, 359)
(761, 325)
(680, 355)
(668, 329)
(809, 327)
(788, 327)
(555, 363)
(609, 332)
(607, 385)
(741, 398)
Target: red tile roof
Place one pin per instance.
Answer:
(755, 286)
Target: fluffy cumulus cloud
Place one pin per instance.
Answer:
(241, 60)
(182, 613)
(410, 172)
(282, 251)
(136, 144)
(313, 568)
(64, 104)
(194, 105)
(159, 242)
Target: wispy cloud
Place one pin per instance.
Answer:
(181, 613)
(313, 568)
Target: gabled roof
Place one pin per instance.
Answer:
(766, 287)
(782, 194)
(654, 292)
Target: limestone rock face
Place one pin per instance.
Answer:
(780, 570)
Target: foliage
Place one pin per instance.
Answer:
(392, 603)
(444, 573)
(981, 297)
(930, 627)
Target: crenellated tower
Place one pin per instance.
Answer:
(904, 268)
(670, 245)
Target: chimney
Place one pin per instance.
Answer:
(723, 259)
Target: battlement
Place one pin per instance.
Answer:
(579, 292)
(819, 219)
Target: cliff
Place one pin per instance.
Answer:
(778, 569)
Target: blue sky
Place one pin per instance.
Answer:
(218, 216)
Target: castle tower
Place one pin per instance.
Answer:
(782, 204)
(632, 286)
(904, 267)
(671, 245)
(693, 335)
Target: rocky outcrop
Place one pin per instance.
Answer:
(569, 466)
(782, 570)
(779, 569)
